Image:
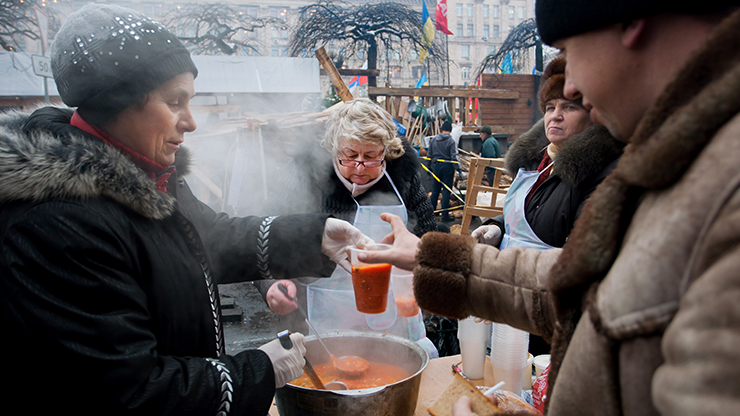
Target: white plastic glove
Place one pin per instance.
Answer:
(338, 236)
(287, 364)
(487, 234)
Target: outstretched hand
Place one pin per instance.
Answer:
(403, 252)
(277, 301)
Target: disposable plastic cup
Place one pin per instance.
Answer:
(370, 281)
(403, 291)
(472, 336)
(540, 363)
(509, 356)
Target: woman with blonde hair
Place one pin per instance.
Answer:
(361, 170)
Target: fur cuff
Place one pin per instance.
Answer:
(440, 279)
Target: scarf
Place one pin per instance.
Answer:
(158, 172)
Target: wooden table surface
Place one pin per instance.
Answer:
(434, 380)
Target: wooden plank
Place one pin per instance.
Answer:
(354, 72)
(494, 129)
(445, 92)
(334, 76)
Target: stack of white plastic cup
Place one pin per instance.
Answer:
(473, 337)
(509, 353)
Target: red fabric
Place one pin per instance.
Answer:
(440, 17)
(159, 173)
(544, 163)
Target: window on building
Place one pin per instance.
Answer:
(470, 9)
(520, 12)
(458, 9)
(491, 50)
(283, 13)
(471, 30)
(284, 51)
(253, 10)
(511, 12)
(486, 31)
(495, 10)
(275, 51)
(496, 31)
(485, 10)
(417, 72)
(274, 33)
(284, 32)
(465, 51)
(361, 54)
(465, 72)
(460, 29)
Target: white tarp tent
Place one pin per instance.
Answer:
(216, 75)
(17, 78)
(246, 74)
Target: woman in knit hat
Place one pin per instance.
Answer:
(110, 265)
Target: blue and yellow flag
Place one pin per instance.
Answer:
(427, 32)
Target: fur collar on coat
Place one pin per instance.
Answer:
(671, 135)
(582, 156)
(37, 164)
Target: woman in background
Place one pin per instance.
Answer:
(558, 164)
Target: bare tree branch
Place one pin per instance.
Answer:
(521, 38)
(362, 27)
(17, 20)
(211, 29)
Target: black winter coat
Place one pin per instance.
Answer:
(580, 165)
(108, 287)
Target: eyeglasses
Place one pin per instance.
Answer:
(367, 163)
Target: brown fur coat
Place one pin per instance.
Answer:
(643, 302)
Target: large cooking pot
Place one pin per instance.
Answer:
(397, 399)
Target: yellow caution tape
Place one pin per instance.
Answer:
(443, 184)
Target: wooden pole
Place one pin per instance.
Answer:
(334, 76)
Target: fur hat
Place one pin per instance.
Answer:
(552, 82)
(560, 19)
(106, 58)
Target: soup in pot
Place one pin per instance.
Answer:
(379, 374)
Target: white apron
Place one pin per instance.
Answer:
(518, 233)
(331, 302)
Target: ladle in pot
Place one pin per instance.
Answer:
(348, 366)
(284, 337)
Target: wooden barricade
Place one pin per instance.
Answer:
(475, 177)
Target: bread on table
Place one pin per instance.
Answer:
(508, 402)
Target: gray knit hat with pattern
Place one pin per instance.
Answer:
(106, 58)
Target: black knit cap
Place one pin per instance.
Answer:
(560, 19)
(106, 58)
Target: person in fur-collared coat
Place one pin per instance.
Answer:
(109, 265)
(643, 302)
